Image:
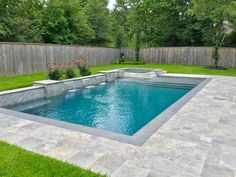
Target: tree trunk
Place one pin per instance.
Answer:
(216, 56)
(137, 47)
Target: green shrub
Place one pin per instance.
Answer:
(55, 71)
(70, 71)
(82, 65)
(120, 60)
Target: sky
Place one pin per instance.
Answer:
(111, 4)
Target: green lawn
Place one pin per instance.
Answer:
(12, 82)
(16, 162)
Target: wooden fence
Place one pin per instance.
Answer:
(201, 56)
(16, 58)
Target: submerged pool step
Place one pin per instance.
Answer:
(89, 87)
(165, 84)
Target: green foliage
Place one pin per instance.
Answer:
(65, 22)
(70, 72)
(84, 71)
(219, 15)
(55, 74)
(230, 41)
(21, 20)
(82, 65)
(100, 21)
(55, 71)
(120, 60)
(133, 23)
(118, 33)
(53, 21)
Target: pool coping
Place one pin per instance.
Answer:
(138, 139)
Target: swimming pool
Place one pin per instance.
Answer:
(123, 106)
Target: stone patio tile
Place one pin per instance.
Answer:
(159, 143)
(224, 140)
(108, 146)
(128, 170)
(223, 156)
(30, 143)
(108, 163)
(14, 135)
(8, 122)
(22, 123)
(169, 163)
(160, 174)
(62, 149)
(47, 146)
(224, 130)
(217, 171)
(82, 141)
(84, 159)
(32, 126)
(185, 134)
(228, 156)
(51, 132)
(228, 120)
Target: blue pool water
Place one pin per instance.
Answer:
(123, 106)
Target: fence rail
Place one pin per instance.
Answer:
(201, 56)
(18, 58)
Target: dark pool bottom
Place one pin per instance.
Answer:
(124, 106)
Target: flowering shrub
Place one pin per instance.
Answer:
(70, 71)
(82, 64)
(55, 71)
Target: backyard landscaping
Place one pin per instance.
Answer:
(134, 121)
(13, 82)
(17, 162)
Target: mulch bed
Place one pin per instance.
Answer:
(217, 68)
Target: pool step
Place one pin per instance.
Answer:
(144, 75)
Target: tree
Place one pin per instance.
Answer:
(118, 33)
(219, 15)
(168, 23)
(21, 20)
(121, 26)
(133, 23)
(136, 20)
(66, 23)
(100, 21)
(78, 22)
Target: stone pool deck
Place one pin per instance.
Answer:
(198, 141)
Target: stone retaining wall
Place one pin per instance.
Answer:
(49, 88)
